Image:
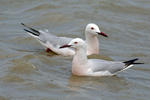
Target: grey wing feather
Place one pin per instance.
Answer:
(52, 39)
(45, 37)
(102, 65)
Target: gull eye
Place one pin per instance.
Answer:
(92, 28)
(75, 42)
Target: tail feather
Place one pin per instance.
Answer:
(129, 62)
(31, 30)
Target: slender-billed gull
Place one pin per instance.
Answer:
(82, 66)
(52, 42)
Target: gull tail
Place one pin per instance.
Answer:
(130, 62)
(33, 32)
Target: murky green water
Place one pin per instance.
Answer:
(28, 73)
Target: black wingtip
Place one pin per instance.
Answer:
(22, 24)
(129, 62)
(138, 63)
(31, 30)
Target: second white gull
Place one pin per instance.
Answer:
(52, 42)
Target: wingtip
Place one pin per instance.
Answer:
(22, 23)
(133, 60)
(136, 59)
(138, 63)
(32, 29)
(129, 62)
(28, 31)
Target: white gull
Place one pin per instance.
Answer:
(82, 66)
(52, 42)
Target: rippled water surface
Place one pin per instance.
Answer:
(27, 72)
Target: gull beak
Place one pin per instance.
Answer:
(102, 33)
(65, 46)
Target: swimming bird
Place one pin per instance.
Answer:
(82, 66)
(52, 42)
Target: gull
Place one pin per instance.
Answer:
(52, 42)
(82, 66)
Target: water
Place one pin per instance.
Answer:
(27, 72)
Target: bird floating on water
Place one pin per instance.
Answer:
(52, 42)
(82, 66)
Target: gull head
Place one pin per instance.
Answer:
(75, 43)
(93, 29)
